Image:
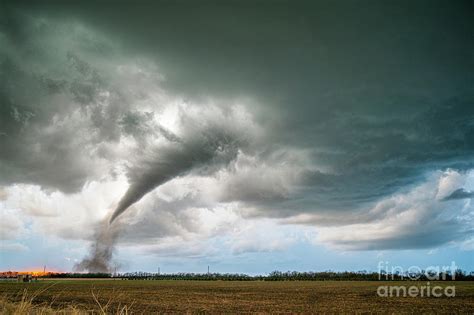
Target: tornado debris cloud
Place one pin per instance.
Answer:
(99, 259)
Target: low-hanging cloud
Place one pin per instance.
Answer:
(415, 219)
(460, 193)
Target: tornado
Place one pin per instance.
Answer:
(178, 159)
(201, 150)
(145, 179)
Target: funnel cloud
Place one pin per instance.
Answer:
(175, 160)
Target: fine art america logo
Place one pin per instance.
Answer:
(423, 276)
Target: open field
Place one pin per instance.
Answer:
(232, 296)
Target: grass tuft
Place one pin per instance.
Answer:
(26, 305)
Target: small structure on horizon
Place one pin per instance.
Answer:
(24, 278)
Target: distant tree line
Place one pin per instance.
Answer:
(78, 275)
(369, 276)
(459, 275)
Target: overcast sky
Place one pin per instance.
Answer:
(249, 136)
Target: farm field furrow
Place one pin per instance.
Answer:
(168, 296)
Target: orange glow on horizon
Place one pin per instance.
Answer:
(32, 272)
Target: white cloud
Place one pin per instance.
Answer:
(414, 219)
(449, 182)
(179, 219)
(12, 226)
(261, 235)
(468, 245)
(55, 214)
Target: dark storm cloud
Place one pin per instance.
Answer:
(40, 82)
(460, 193)
(61, 103)
(380, 91)
(432, 236)
(378, 94)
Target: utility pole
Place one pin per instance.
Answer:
(44, 269)
(208, 269)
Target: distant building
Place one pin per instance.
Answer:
(24, 278)
(14, 276)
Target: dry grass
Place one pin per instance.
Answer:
(27, 304)
(178, 297)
